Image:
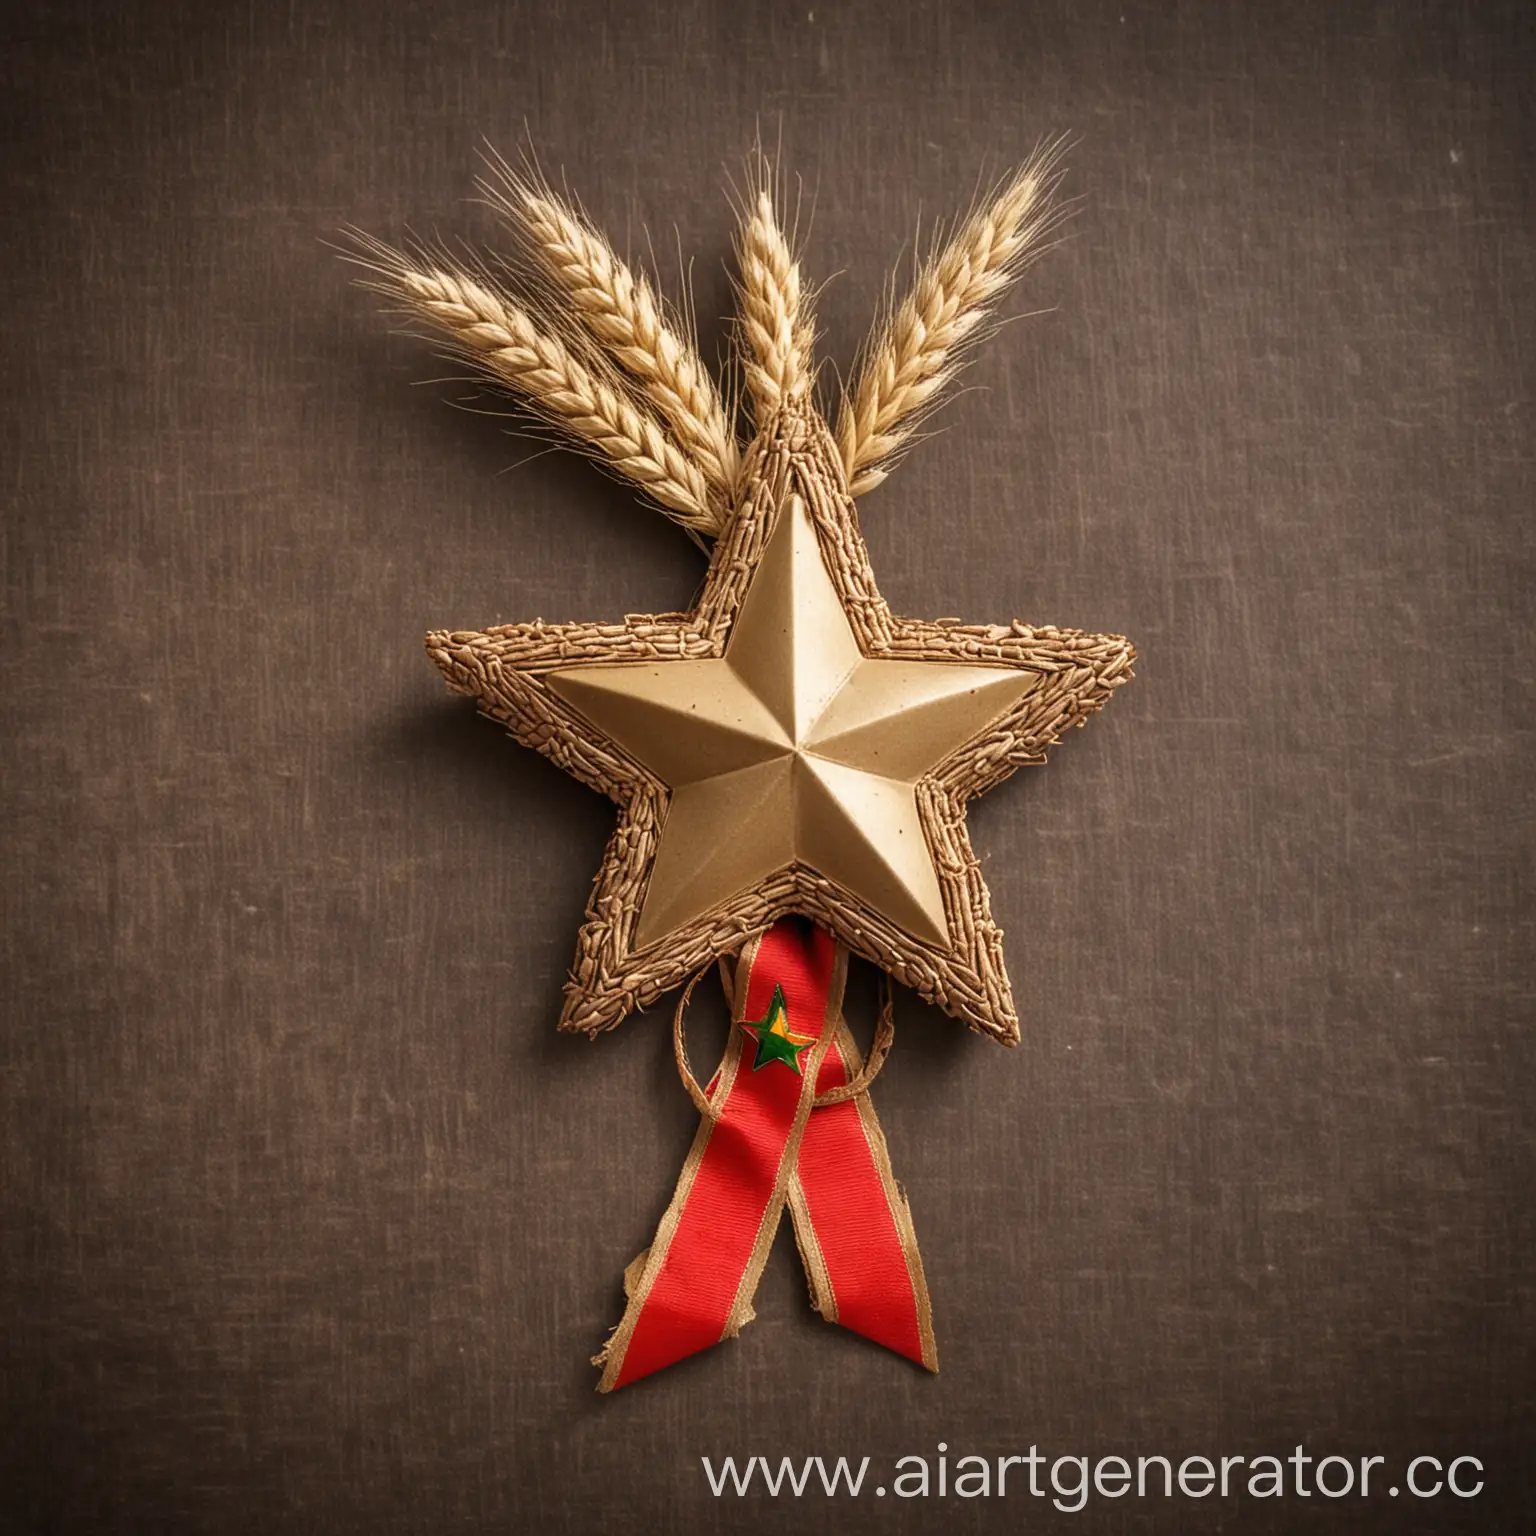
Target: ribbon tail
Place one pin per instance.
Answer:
(853, 1225)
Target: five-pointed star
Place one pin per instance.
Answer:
(789, 746)
(794, 746)
(775, 1040)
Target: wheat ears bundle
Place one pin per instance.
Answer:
(791, 762)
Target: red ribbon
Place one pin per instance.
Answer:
(764, 1145)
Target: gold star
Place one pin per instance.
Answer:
(794, 747)
(788, 746)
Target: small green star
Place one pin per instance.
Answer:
(774, 1041)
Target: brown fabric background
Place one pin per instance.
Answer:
(311, 1221)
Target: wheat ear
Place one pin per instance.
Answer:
(623, 311)
(502, 342)
(776, 329)
(916, 353)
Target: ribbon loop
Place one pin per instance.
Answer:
(879, 1049)
(680, 1049)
